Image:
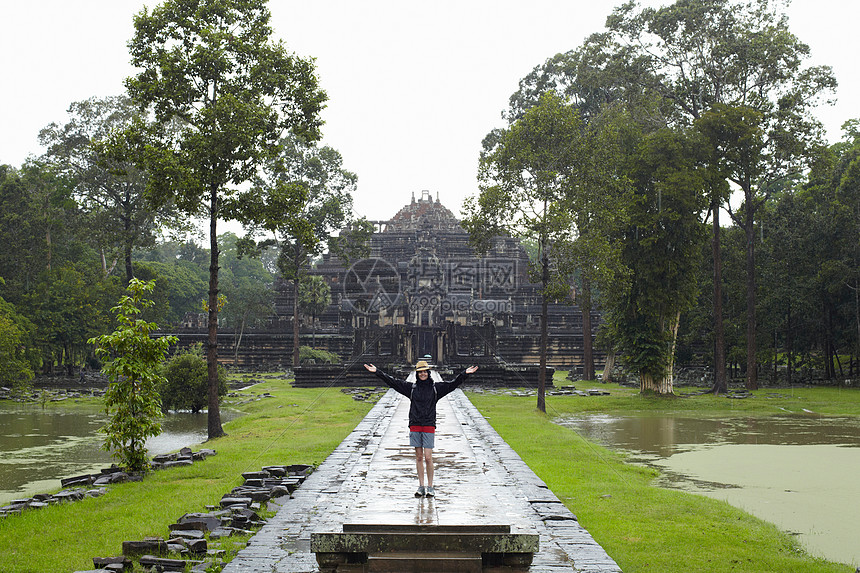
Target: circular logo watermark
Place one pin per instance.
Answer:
(371, 286)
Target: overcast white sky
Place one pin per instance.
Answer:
(413, 87)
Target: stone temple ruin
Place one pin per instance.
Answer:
(423, 293)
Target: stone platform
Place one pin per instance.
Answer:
(369, 480)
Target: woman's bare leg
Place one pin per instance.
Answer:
(428, 461)
(419, 465)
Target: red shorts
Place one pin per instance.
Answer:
(425, 429)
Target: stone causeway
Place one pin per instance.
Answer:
(370, 480)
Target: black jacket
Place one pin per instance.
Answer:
(423, 395)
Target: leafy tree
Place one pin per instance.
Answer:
(787, 273)
(312, 183)
(592, 79)
(314, 298)
(211, 66)
(19, 262)
(735, 69)
(832, 201)
(662, 245)
(132, 360)
(179, 287)
(247, 289)
(53, 210)
(69, 305)
(528, 177)
(16, 352)
(111, 192)
(185, 384)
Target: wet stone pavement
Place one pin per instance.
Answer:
(371, 479)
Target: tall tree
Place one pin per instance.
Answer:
(592, 80)
(833, 196)
(529, 176)
(16, 350)
(662, 243)
(314, 180)
(109, 191)
(704, 54)
(212, 66)
(247, 289)
(314, 298)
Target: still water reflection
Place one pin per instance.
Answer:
(39, 446)
(799, 472)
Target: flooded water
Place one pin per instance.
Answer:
(38, 447)
(798, 472)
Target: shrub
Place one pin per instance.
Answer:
(132, 363)
(186, 381)
(308, 355)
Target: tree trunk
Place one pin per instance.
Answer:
(609, 365)
(544, 317)
(857, 313)
(665, 385)
(239, 340)
(720, 381)
(789, 349)
(587, 345)
(830, 347)
(749, 228)
(296, 321)
(129, 268)
(214, 413)
(48, 242)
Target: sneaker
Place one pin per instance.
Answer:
(420, 492)
(431, 491)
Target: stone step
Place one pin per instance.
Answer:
(421, 562)
(379, 542)
(422, 548)
(425, 529)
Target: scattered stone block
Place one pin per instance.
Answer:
(198, 546)
(231, 501)
(149, 545)
(178, 463)
(220, 533)
(177, 548)
(300, 470)
(104, 562)
(165, 564)
(77, 480)
(188, 534)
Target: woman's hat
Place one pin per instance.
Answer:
(422, 365)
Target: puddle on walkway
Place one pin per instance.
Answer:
(799, 472)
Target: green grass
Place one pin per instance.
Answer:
(645, 528)
(296, 426)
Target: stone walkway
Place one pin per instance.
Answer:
(370, 478)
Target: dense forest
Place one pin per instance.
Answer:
(634, 143)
